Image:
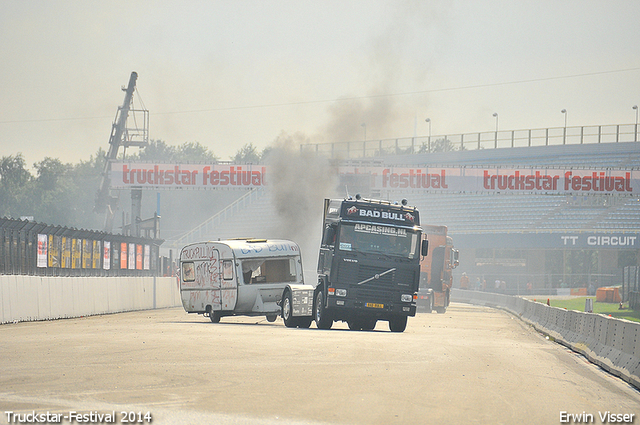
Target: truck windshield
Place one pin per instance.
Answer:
(379, 239)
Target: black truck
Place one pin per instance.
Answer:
(369, 264)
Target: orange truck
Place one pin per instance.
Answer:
(436, 278)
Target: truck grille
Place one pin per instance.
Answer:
(350, 274)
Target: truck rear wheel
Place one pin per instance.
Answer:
(304, 322)
(214, 316)
(398, 324)
(287, 311)
(320, 313)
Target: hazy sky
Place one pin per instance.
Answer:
(227, 73)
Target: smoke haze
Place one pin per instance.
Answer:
(298, 184)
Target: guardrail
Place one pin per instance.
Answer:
(613, 344)
(474, 141)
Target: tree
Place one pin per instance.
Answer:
(51, 191)
(85, 178)
(14, 186)
(156, 150)
(247, 154)
(439, 145)
(50, 170)
(160, 151)
(195, 152)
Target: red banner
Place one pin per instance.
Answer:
(186, 176)
(406, 178)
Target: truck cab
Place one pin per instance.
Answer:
(369, 264)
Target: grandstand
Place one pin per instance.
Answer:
(519, 238)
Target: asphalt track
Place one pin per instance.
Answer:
(469, 365)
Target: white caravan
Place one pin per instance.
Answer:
(239, 277)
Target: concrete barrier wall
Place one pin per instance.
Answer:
(27, 298)
(613, 344)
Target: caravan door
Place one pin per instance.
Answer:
(207, 282)
(228, 286)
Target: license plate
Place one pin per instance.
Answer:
(374, 305)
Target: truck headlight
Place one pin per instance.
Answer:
(406, 298)
(341, 292)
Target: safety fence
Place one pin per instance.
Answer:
(613, 344)
(475, 141)
(30, 298)
(31, 248)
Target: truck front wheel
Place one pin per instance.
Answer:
(320, 313)
(398, 324)
(369, 325)
(355, 325)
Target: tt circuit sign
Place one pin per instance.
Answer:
(600, 241)
(586, 240)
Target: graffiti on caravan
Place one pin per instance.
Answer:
(186, 176)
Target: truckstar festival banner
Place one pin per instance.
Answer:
(501, 180)
(186, 176)
(593, 181)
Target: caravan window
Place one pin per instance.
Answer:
(188, 274)
(262, 270)
(227, 270)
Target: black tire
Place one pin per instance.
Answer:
(355, 325)
(320, 313)
(441, 310)
(214, 316)
(398, 324)
(304, 322)
(369, 325)
(271, 318)
(287, 311)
